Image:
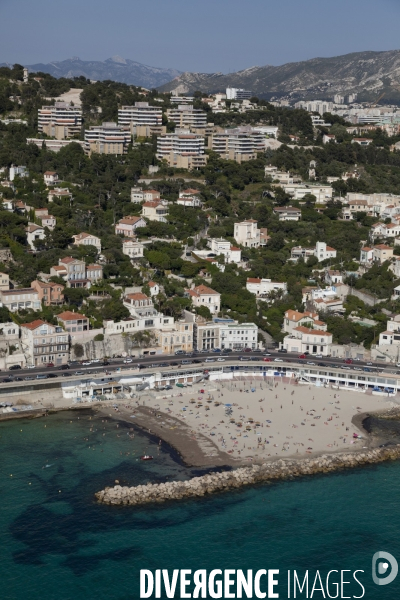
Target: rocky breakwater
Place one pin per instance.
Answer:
(228, 480)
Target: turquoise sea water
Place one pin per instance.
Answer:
(57, 543)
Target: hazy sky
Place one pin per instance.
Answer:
(207, 36)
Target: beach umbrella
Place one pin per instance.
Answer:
(228, 404)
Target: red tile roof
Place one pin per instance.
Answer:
(68, 315)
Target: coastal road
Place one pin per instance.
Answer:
(195, 358)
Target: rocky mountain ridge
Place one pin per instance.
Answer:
(367, 73)
(116, 68)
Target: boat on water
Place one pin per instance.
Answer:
(146, 457)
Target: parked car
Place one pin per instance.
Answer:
(14, 367)
(50, 364)
(41, 376)
(267, 354)
(348, 361)
(247, 350)
(227, 350)
(79, 373)
(186, 362)
(310, 363)
(282, 350)
(302, 356)
(209, 360)
(178, 352)
(86, 363)
(216, 350)
(244, 358)
(220, 359)
(267, 359)
(128, 361)
(278, 360)
(257, 350)
(63, 368)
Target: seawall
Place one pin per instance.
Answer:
(225, 481)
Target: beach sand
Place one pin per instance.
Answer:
(277, 420)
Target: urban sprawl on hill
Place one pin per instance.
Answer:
(136, 222)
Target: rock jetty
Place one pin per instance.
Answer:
(228, 480)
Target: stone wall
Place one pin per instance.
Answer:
(219, 482)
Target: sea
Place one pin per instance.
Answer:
(57, 543)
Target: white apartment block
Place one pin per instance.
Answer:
(238, 94)
(205, 296)
(132, 249)
(60, 121)
(43, 343)
(54, 145)
(190, 198)
(247, 234)
(392, 333)
(182, 149)
(319, 106)
(322, 251)
(4, 281)
(240, 144)
(108, 138)
(287, 213)
(142, 114)
(87, 239)
(225, 333)
(263, 287)
(186, 117)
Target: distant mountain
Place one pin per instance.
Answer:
(115, 68)
(367, 73)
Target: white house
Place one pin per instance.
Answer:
(302, 339)
(20, 299)
(154, 288)
(288, 213)
(323, 193)
(190, 198)
(128, 225)
(50, 178)
(220, 246)
(294, 319)
(332, 277)
(247, 233)
(205, 296)
(34, 232)
(366, 255)
(132, 249)
(323, 252)
(262, 287)
(87, 239)
(155, 210)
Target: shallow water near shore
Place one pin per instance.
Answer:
(57, 543)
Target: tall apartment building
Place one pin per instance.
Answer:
(238, 94)
(182, 149)
(182, 99)
(60, 121)
(187, 117)
(247, 233)
(108, 138)
(140, 114)
(319, 106)
(240, 144)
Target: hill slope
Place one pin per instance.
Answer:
(368, 73)
(115, 68)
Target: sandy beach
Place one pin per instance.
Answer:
(262, 422)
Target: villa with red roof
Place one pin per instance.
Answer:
(205, 296)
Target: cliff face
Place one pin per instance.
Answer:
(367, 73)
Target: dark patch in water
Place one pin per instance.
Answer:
(80, 565)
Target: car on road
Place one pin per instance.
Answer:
(66, 375)
(310, 363)
(14, 367)
(357, 369)
(28, 378)
(348, 361)
(179, 352)
(216, 350)
(278, 360)
(8, 380)
(367, 370)
(267, 359)
(283, 350)
(51, 375)
(79, 373)
(247, 350)
(369, 364)
(41, 376)
(321, 364)
(86, 363)
(347, 368)
(220, 359)
(227, 350)
(128, 361)
(317, 355)
(302, 356)
(50, 364)
(267, 354)
(63, 368)
(257, 350)
(244, 358)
